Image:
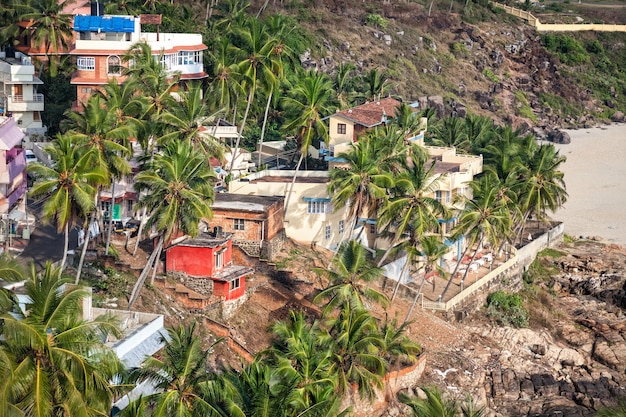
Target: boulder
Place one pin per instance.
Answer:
(618, 116)
(560, 137)
(436, 102)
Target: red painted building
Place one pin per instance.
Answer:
(209, 256)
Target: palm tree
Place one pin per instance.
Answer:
(361, 183)
(127, 105)
(435, 405)
(257, 48)
(182, 378)
(376, 83)
(541, 187)
(342, 84)
(225, 87)
(478, 130)
(413, 210)
(60, 365)
(356, 352)
(309, 99)
(50, 27)
(70, 183)
(151, 79)
(450, 132)
(183, 122)
(397, 347)
(431, 249)
(302, 362)
(617, 411)
(180, 185)
(485, 218)
(282, 55)
(349, 280)
(98, 129)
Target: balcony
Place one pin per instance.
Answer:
(16, 163)
(17, 193)
(20, 103)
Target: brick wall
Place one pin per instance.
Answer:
(257, 226)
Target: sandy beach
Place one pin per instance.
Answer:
(595, 176)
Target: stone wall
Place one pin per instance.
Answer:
(393, 382)
(201, 285)
(268, 251)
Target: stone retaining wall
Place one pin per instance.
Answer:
(393, 382)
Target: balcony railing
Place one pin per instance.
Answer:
(37, 98)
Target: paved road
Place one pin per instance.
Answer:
(45, 243)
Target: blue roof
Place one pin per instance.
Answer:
(124, 24)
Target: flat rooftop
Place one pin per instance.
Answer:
(299, 180)
(206, 240)
(239, 202)
(445, 167)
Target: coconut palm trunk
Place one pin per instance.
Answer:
(140, 230)
(417, 296)
(456, 268)
(404, 270)
(106, 250)
(293, 181)
(144, 273)
(156, 264)
(267, 110)
(240, 131)
(84, 250)
(65, 248)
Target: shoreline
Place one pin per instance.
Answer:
(595, 179)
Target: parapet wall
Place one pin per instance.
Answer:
(557, 27)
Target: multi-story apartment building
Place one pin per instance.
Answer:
(18, 92)
(12, 177)
(102, 41)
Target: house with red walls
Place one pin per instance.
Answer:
(206, 260)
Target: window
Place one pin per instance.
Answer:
(234, 284)
(318, 207)
(189, 57)
(442, 196)
(219, 259)
(85, 63)
(86, 90)
(373, 228)
(341, 128)
(240, 224)
(129, 206)
(341, 226)
(327, 232)
(36, 116)
(114, 65)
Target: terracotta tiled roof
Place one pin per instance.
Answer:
(371, 113)
(195, 76)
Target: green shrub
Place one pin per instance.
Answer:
(376, 20)
(568, 49)
(507, 309)
(458, 49)
(491, 76)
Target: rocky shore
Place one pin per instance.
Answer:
(572, 360)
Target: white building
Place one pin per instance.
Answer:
(18, 92)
